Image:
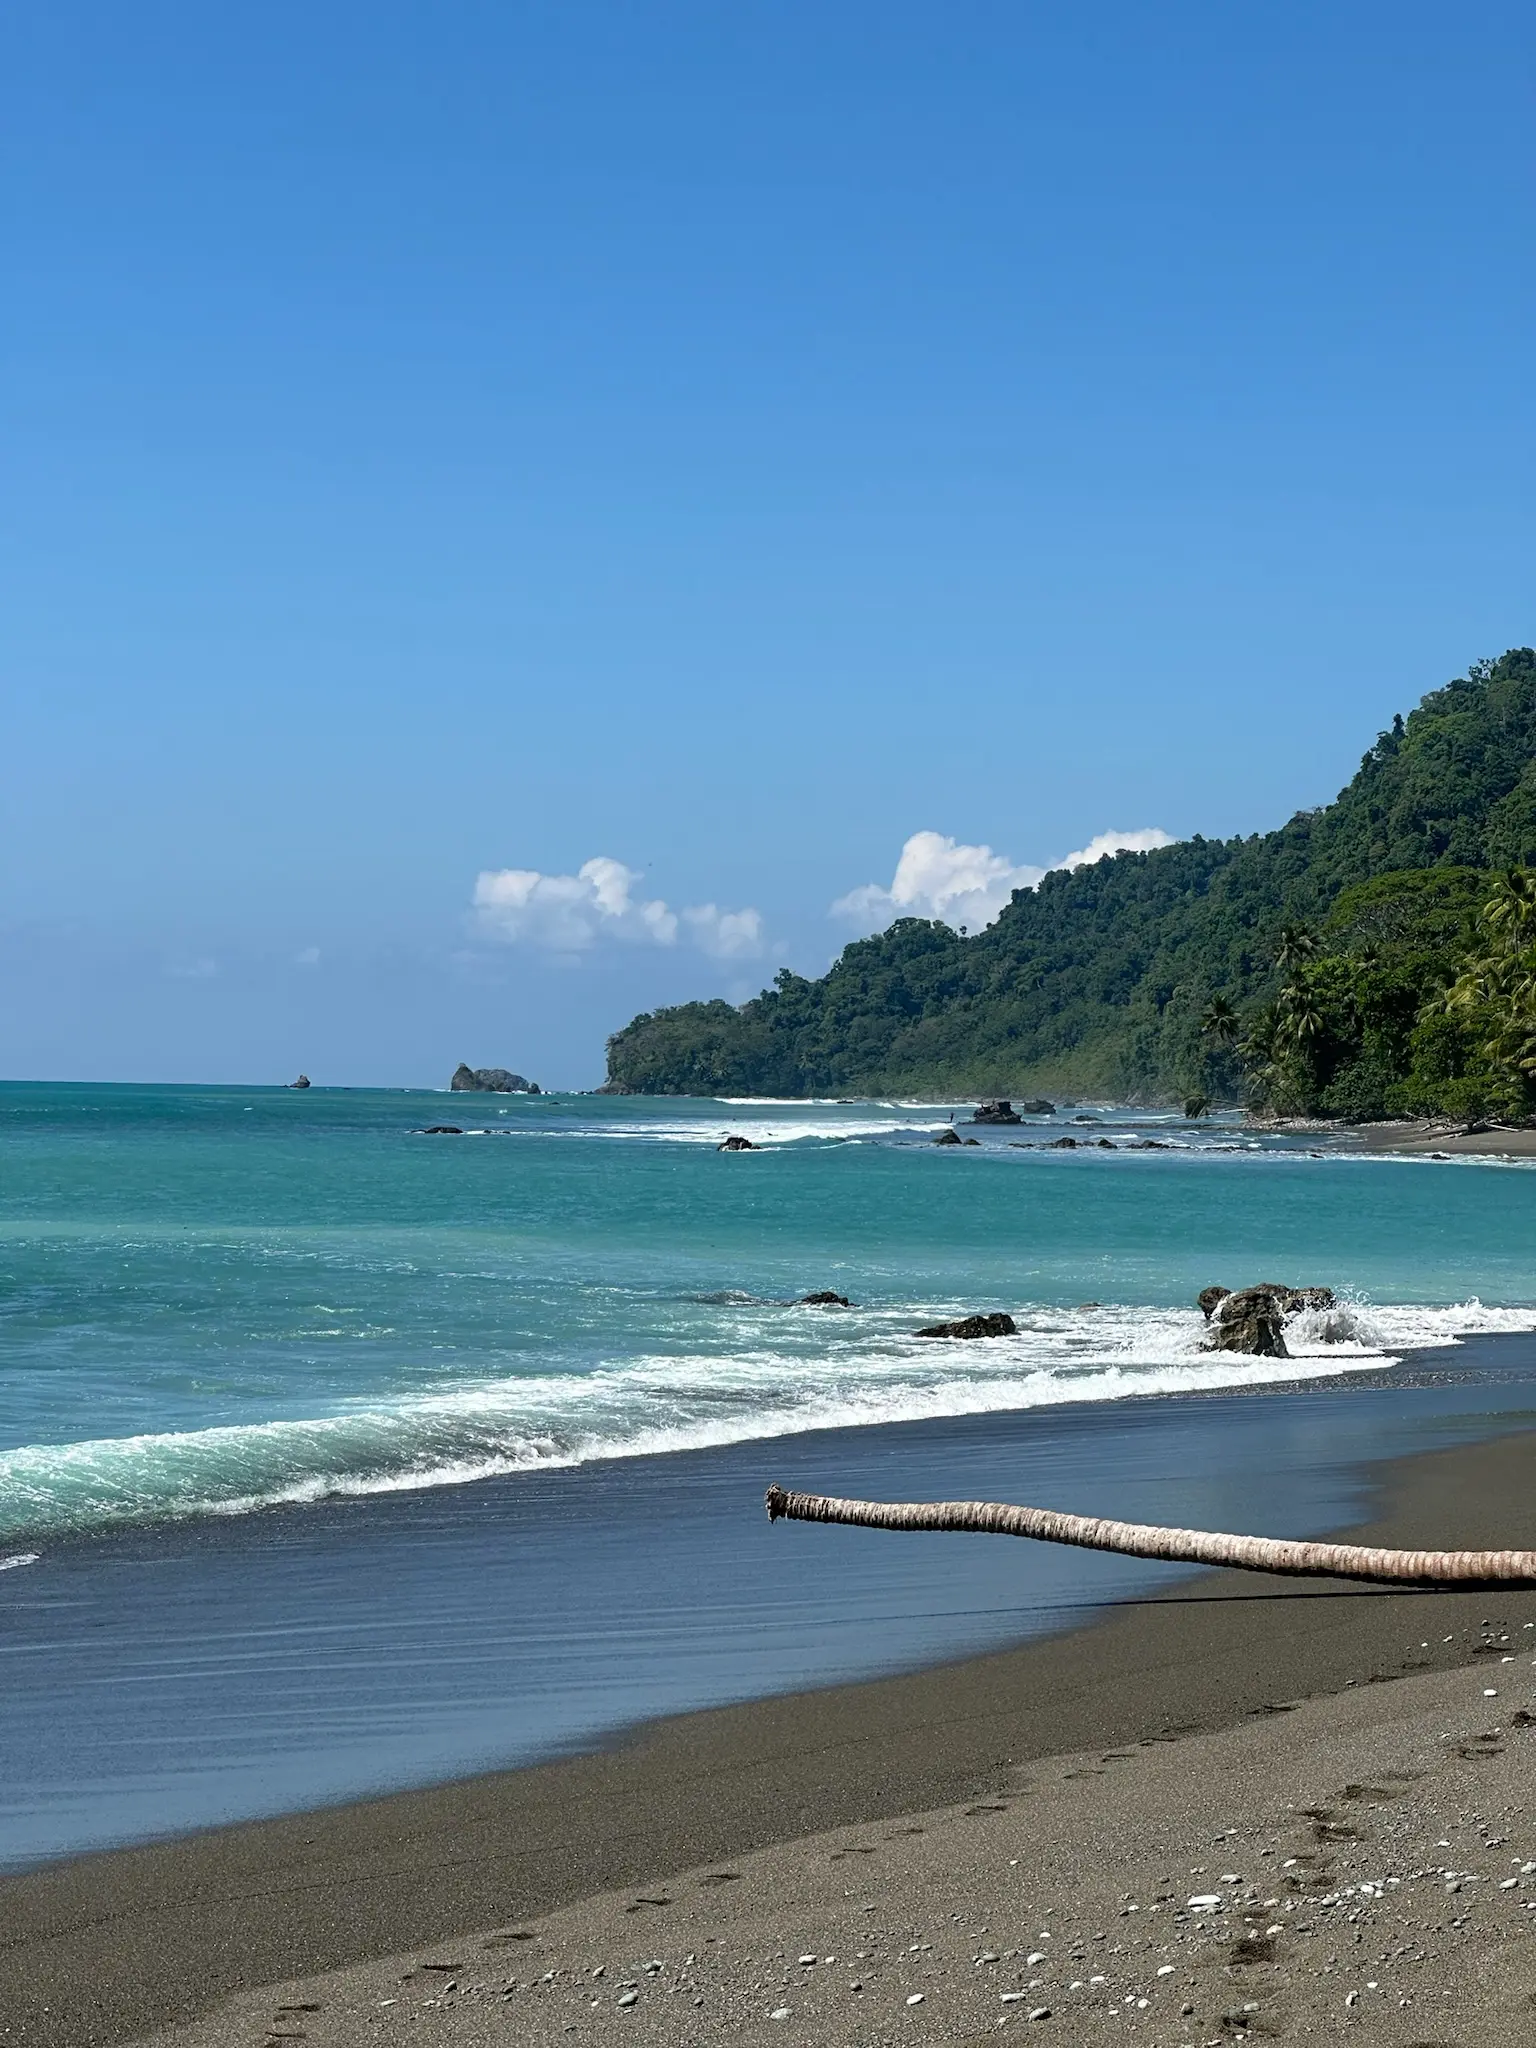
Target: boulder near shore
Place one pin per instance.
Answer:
(1253, 1319)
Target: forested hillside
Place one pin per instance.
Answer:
(1151, 976)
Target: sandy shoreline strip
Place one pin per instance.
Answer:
(110, 1948)
(1430, 1139)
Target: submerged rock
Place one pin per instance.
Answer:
(490, 1081)
(974, 1326)
(735, 1144)
(825, 1299)
(440, 1131)
(996, 1112)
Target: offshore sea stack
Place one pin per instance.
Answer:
(490, 1081)
(996, 1113)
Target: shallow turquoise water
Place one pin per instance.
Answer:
(214, 1299)
(252, 1342)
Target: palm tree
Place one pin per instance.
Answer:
(1176, 1546)
(1302, 1023)
(1511, 910)
(1219, 1021)
(1296, 947)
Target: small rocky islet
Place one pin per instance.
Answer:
(469, 1080)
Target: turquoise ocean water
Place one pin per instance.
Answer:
(289, 1391)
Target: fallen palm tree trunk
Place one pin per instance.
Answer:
(1175, 1546)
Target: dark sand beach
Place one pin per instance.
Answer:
(1431, 1140)
(111, 1948)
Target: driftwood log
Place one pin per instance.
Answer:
(1176, 1546)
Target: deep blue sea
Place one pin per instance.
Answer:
(335, 1456)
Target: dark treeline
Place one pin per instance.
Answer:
(1375, 956)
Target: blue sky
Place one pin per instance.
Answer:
(718, 442)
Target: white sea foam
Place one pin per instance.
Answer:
(18, 1558)
(870, 1370)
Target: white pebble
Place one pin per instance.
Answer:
(1165, 1969)
(916, 1997)
(1036, 1955)
(780, 2012)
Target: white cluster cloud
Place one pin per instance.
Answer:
(1106, 843)
(569, 913)
(938, 877)
(967, 886)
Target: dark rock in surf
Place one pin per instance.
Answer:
(1249, 1321)
(1291, 1299)
(825, 1299)
(1060, 1145)
(949, 1138)
(302, 1082)
(1208, 1297)
(490, 1081)
(970, 1141)
(735, 1144)
(974, 1326)
(1106, 1144)
(996, 1112)
(1039, 1107)
(440, 1131)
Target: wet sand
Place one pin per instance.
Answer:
(1453, 1142)
(110, 1948)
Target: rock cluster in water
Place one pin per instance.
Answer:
(735, 1144)
(1253, 1319)
(491, 1081)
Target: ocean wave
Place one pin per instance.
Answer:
(878, 1372)
(19, 1558)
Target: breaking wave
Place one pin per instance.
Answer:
(878, 1372)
